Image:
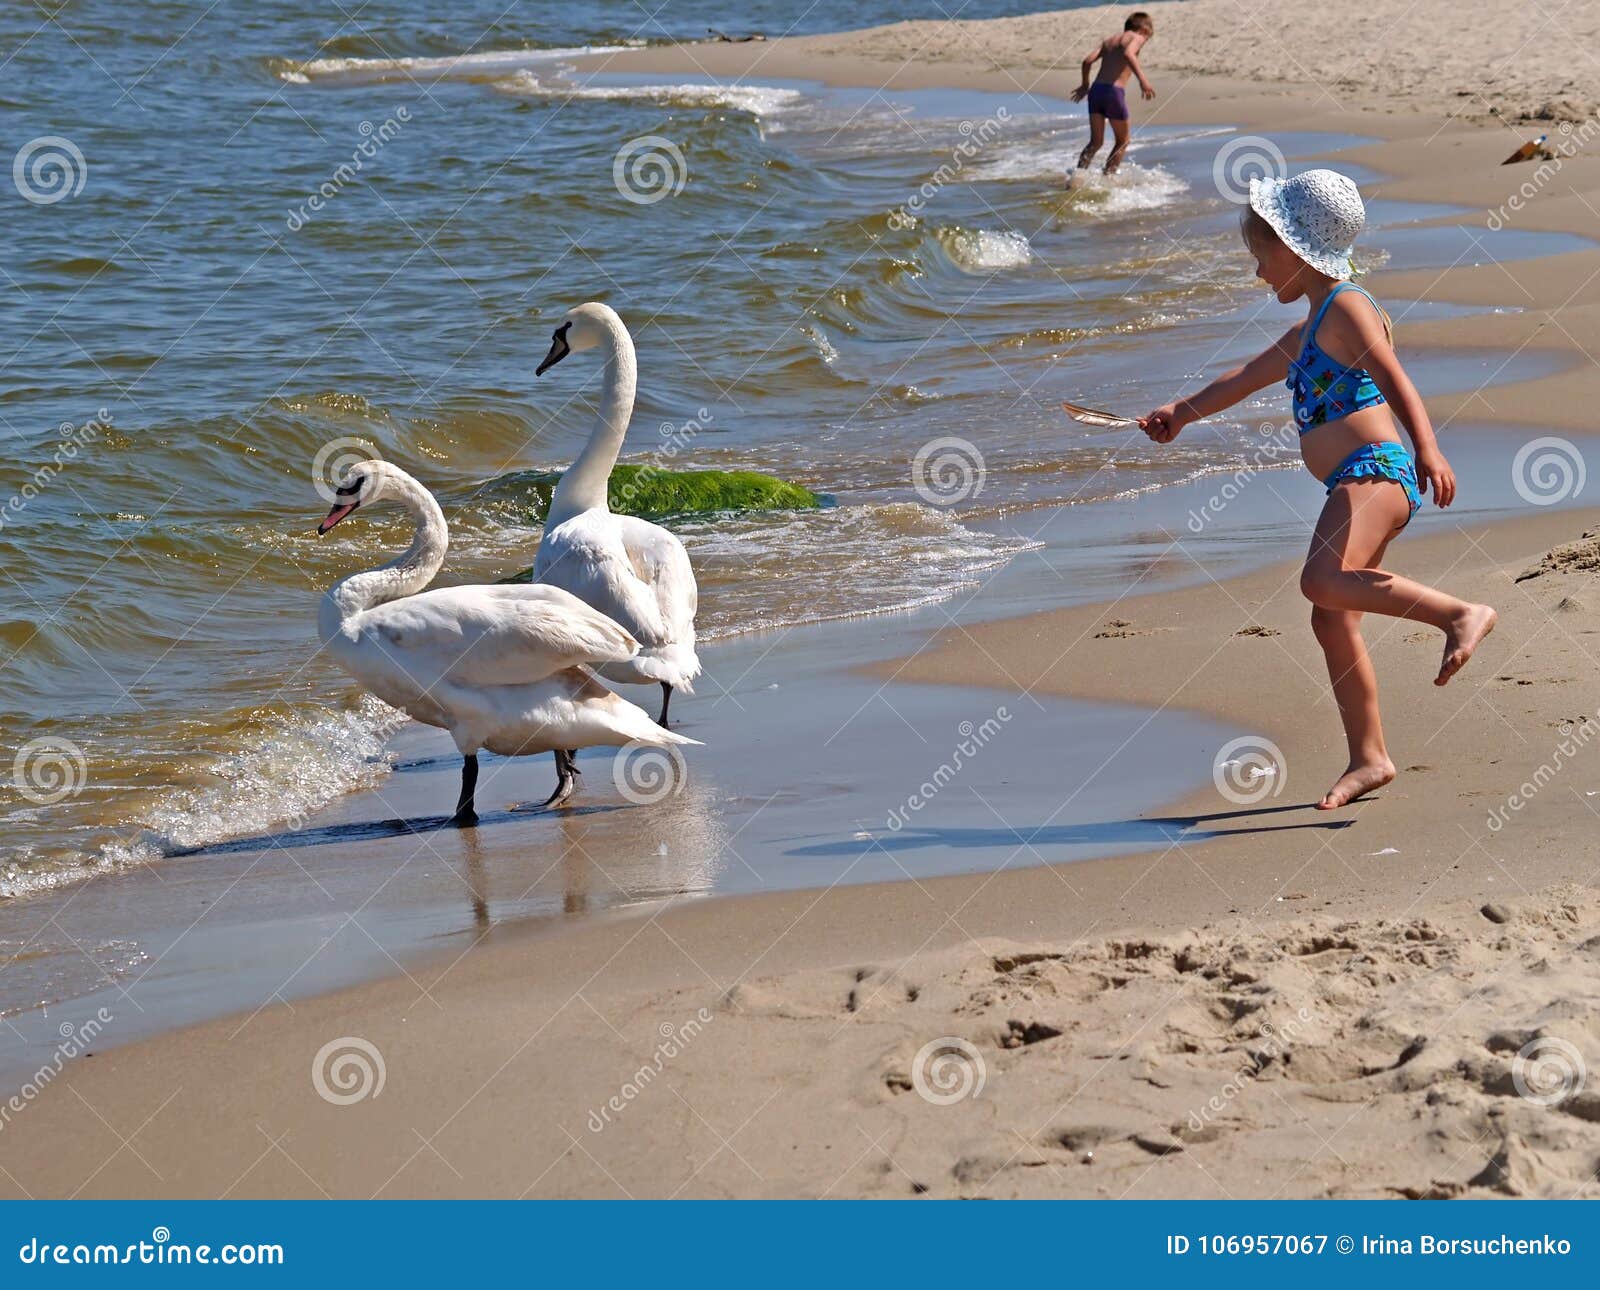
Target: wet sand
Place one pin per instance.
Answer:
(1110, 1006)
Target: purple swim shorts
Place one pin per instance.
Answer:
(1108, 100)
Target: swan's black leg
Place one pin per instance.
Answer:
(666, 698)
(566, 778)
(465, 814)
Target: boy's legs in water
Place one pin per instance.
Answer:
(1097, 136)
(1119, 132)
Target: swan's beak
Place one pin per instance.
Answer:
(340, 510)
(559, 349)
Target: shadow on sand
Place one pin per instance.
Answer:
(372, 830)
(1153, 832)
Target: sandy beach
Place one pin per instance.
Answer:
(1394, 1000)
(1464, 61)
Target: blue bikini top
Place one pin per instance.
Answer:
(1325, 389)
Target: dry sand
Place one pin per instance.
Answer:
(1398, 999)
(1471, 56)
(1458, 58)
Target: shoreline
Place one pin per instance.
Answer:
(1561, 201)
(660, 969)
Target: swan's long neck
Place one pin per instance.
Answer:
(583, 487)
(405, 575)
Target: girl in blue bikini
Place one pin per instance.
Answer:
(1345, 378)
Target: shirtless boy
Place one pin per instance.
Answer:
(1118, 57)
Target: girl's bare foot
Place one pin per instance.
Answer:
(1355, 782)
(1462, 637)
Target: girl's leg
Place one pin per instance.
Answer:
(1340, 571)
(1355, 690)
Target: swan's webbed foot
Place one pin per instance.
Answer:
(465, 815)
(566, 778)
(666, 698)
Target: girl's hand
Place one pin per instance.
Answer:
(1433, 470)
(1164, 423)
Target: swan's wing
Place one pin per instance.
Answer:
(500, 635)
(592, 562)
(659, 560)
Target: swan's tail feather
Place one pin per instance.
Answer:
(617, 720)
(676, 665)
(665, 738)
(639, 727)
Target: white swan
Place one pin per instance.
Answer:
(629, 569)
(500, 667)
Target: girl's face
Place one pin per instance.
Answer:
(1280, 268)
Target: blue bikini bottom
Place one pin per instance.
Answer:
(1380, 461)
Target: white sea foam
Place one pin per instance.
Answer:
(984, 250)
(307, 761)
(824, 346)
(759, 100)
(1133, 188)
(489, 64)
(1039, 157)
(781, 569)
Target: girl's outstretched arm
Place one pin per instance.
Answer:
(1359, 337)
(1270, 365)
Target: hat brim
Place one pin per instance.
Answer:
(1266, 200)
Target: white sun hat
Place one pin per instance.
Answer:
(1318, 214)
